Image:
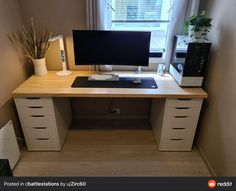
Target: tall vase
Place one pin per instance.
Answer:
(40, 68)
(197, 36)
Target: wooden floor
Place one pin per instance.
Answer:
(111, 152)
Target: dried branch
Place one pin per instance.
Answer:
(33, 42)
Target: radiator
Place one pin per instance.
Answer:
(9, 148)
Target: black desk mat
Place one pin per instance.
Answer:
(124, 82)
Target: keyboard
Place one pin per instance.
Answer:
(103, 77)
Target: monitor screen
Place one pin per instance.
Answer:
(111, 47)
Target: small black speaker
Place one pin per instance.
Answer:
(5, 169)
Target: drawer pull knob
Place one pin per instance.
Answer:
(176, 139)
(182, 108)
(184, 99)
(37, 115)
(181, 116)
(35, 107)
(178, 128)
(42, 139)
(33, 98)
(40, 127)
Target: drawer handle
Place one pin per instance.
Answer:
(182, 108)
(176, 139)
(33, 98)
(178, 128)
(184, 99)
(40, 127)
(35, 107)
(42, 139)
(37, 115)
(181, 116)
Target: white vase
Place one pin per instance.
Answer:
(40, 68)
(197, 36)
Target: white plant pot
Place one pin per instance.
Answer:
(40, 68)
(199, 36)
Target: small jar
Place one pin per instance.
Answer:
(161, 69)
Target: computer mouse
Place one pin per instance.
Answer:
(137, 81)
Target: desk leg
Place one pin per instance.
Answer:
(157, 118)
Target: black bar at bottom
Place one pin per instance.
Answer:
(117, 183)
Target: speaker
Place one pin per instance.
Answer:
(5, 169)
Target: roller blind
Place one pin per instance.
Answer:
(138, 10)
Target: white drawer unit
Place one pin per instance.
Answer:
(45, 121)
(174, 122)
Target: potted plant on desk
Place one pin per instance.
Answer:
(34, 44)
(198, 26)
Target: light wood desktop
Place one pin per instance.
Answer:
(44, 109)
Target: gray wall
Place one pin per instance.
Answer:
(60, 16)
(13, 72)
(217, 129)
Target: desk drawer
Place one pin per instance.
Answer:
(42, 144)
(176, 145)
(38, 121)
(35, 110)
(181, 121)
(182, 111)
(40, 132)
(33, 101)
(178, 133)
(184, 102)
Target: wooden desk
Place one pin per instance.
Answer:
(44, 109)
(55, 86)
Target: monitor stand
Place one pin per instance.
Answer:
(139, 71)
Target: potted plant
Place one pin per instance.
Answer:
(34, 44)
(198, 26)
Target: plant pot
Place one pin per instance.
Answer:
(197, 36)
(40, 68)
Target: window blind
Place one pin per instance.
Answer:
(139, 10)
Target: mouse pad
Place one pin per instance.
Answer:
(124, 82)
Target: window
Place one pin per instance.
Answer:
(143, 15)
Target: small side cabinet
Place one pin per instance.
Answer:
(45, 121)
(174, 122)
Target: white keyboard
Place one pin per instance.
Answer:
(103, 77)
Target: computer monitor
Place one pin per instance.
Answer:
(111, 47)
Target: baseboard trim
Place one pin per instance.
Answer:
(206, 161)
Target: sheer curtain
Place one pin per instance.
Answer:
(98, 16)
(181, 10)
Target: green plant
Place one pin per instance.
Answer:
(199, 22)
(33, 42)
